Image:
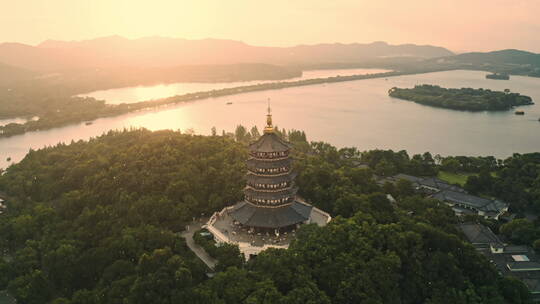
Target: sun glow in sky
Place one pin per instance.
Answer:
(458, 24)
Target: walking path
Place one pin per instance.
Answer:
(198, 250)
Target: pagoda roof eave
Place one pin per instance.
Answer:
(270, 142)
(250, 215)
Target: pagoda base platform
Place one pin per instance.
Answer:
(226, 226)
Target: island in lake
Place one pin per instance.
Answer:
(498, 76)
(464, 99)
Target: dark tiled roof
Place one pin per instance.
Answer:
(269, 142)
(533, 285)
(252, 216)
(476, 202)
(434, 182)
(479, 234)
(523, 266)
(412, 179)
(516, 249)
(431, 182)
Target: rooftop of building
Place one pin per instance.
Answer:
(251, 215)
(523, 266)
(479, 203)
(270, 142)
(479, 234)
(431, 182)
(237, 232)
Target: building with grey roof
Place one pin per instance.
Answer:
(481, 237)
(463, 202)
(517, 261)
(456, 197)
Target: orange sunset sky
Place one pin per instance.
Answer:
(460, 25)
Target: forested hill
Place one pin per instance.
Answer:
(508, 56)
(508, 61)
(465, 99)
(98, 222)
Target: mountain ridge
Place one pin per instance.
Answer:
(156, 51)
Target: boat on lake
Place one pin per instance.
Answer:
(498, 76)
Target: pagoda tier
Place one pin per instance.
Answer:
(271, 198)
(269, 167)
(260, 181)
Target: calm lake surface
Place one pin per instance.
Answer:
(356, 113)
(140, 93)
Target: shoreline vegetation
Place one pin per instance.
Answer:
(464, 99)
(72, 109)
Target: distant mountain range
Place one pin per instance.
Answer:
(156, 52)
(110, 62)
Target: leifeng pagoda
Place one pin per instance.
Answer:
(271, 210)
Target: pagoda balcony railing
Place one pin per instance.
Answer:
(270, 175)
(270, 205)
(268, 190)
(269, 159)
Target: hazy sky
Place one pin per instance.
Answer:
(456, 24)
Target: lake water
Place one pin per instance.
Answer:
(356, 113)
(141, 93)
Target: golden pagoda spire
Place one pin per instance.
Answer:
(269, 128)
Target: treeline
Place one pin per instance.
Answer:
(98, 222)
(465, 99)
